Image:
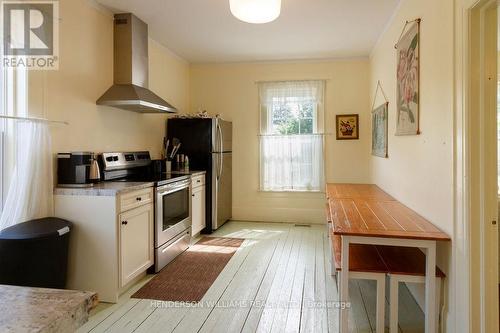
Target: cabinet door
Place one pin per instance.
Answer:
(136, 242)
(198, 210)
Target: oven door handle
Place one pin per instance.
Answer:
(170, 191)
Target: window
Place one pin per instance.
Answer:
(291, 141)
(13, 102)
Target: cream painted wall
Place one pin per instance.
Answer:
(86, 72)
(230, 90)
(419, 170)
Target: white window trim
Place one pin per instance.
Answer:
(318, 129)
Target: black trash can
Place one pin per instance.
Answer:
(35, 253)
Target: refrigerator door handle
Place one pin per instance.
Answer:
(217, 167)
(221, 163)
(221, 139)
(219, 171)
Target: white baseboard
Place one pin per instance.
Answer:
(288, 215)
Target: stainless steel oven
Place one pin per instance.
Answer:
(173, 221)
(172, 200)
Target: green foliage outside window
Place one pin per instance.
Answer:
(293, 116)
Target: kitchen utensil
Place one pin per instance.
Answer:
(176, 143)
(166, 148)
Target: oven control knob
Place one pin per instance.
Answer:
(124, 222)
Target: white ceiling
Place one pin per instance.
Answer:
(205, 30)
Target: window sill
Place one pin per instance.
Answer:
(290, 191)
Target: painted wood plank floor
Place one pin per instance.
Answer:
(278, 281)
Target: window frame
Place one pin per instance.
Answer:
(265, 124)
(270, 118)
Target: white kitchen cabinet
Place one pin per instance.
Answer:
(105, 255)
(136, 242)
(198, 206)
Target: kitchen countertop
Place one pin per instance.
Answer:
(106, 189)
(110, 189)
(26, 309)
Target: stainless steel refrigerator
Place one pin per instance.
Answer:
(208, 144)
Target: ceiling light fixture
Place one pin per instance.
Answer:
(255, 11)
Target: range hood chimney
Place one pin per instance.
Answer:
(130, 89)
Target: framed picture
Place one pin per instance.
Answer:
(408, 80)
(379, 130)
(347, 127)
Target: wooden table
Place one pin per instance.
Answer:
(364, 214)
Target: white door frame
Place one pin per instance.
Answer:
(475, 241)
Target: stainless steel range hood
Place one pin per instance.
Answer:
(130, 89)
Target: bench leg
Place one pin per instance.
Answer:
(438, 301)
(379, 278)
(381, 304)
(394, 303)
(394, 281)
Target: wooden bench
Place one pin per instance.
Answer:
(406, 264)
(374, 262)
(364, 264)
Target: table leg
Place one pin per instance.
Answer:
(344, 285)
(430, 288)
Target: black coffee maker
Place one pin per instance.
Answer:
(77, 169)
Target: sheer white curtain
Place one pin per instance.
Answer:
(292, 163)
(291, 157)
(30, 190)
(25, 155)
(269, 91)
(272, 94)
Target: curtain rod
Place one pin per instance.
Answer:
(278, 81)
(35, 119)
(278, 135)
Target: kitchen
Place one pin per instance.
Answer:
(159, 205)
(182, 156)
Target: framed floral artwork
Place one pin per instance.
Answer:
(379, 131)
(347, 126)
(408, 49)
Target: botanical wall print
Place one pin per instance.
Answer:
(379, 130)
(347, 127)
(407, 122)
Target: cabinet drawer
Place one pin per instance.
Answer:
(135, 199)
(198, 180)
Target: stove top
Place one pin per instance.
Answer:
(136, 167)
(158, 179)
